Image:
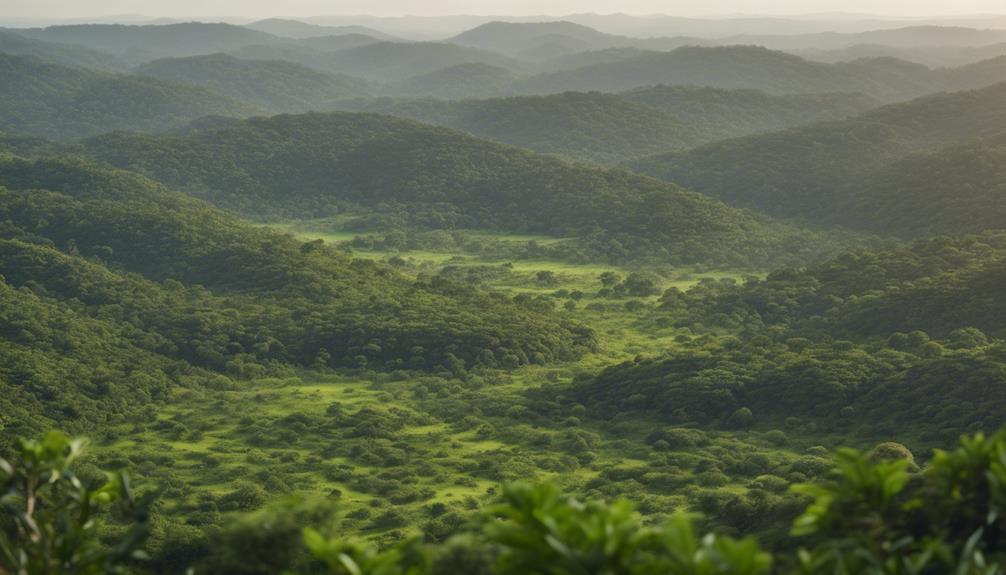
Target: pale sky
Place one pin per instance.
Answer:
(58, 9)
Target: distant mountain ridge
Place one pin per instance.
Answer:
(275, 85)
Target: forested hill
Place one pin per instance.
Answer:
(610, 128)
(313, 165)
(842, 172)
(17, 45)
(588, 126)
(467, 80)
(273, 85)
(44, 99)
(751, 67)
(116, 292)
(954, 190)
(719, 114)
(394, 61)
(908, 341)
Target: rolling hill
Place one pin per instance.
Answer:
(595, 127)
(139, 44)
(392, 61)
(609, 128)
(303, 30)
(471, 80)
(718, 114)
(829, 173)
(544, 40)
(15, 44)
(906, 37)
(60, 102)
(749, 67)
(961, 189)
(932, 56)
(515, 37)
(314, 165)
(275, 85)
(902, 339)
(118, 293)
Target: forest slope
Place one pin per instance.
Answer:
(118, 282)
(315, 165)
(275, 85)
(908, 341)
(594, 127)
(610, 128)
(39, 98)
(838, 172)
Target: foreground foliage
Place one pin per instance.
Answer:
(876, 515)
(52, 519)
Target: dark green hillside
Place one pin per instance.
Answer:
(956, 190)
(607, 128)
(202, 287)
(316, 165)
(976, 75)
(59, 102)
(274, 85)
(594, 127)
(817, 172)
(138, 44)
(30, 146)
(392, 61)
(17, 45)
(720, 114)
(471, 80)
(908, 340)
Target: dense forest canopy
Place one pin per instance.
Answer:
(868, 339)
(441, 295)
(862, 172)
(101, 250)
(608, 128)
(43, 99)
(274, 85)
(311, 164)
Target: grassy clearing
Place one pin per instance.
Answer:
(388, 448)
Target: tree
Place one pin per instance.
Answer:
(54, 513)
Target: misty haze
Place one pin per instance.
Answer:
(503, 288)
